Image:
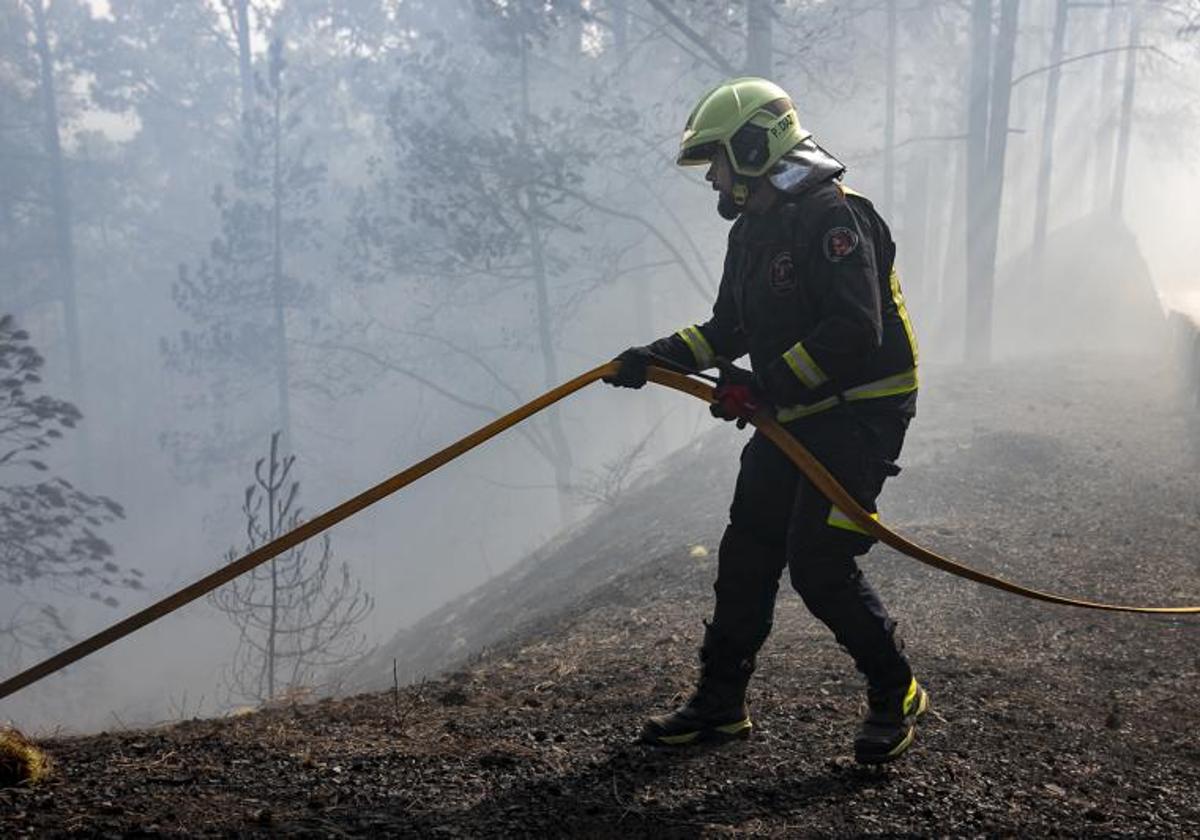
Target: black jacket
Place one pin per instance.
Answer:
(810, 291)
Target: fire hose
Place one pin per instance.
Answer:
(762, 420)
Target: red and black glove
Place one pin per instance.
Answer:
(738, 395)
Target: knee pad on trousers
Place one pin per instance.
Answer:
(818, 580)
(747, 583)
(747, 570)
(835, 591)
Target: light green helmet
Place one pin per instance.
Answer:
(752, 118)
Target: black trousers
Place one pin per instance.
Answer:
(779, 519)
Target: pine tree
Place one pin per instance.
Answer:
(297, 615)
(244, 297)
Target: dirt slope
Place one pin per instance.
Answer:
(1047, 721)
(681, 499)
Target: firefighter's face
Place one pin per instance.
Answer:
(720, 173)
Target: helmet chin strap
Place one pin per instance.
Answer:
(728, 208)
(741, 190)
(734, 204)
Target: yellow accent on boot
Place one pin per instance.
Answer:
(916, 703)
(737, 729)
(916, 696)
(913, 705)
(900, 748)
(678, 740)
(742, 726)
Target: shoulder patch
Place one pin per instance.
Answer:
(839, 243)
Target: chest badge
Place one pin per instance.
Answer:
(782, 274)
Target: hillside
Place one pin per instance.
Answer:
(1047, 721)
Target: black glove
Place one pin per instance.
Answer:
(738, 395)
(632, 373)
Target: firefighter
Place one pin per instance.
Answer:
(810, 293)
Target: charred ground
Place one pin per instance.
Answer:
(1047, 721)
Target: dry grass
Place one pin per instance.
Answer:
(21, 762)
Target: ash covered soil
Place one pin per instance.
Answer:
(1046, 720)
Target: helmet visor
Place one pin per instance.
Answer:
(700, 154)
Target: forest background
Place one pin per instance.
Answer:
(371, 226)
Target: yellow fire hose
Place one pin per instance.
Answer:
(765, 423)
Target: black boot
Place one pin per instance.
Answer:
(717, 708)
(890, 726)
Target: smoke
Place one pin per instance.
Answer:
(428, 278)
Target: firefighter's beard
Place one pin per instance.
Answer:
(727, 207)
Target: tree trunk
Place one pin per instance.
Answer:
(273, 619)
(562, 450)
(953, 239)
(978, 314)
(282, 371)
(60, 201)
(987, 176)
(573, 13)
(1124, 131)
(643, 299)
(245, 69)
(1006, 41)
(1049, 117)
(271, 632)
(1105, 131)
(64, 236)
(889, 115)
(954, 213)
(758, 38)
(619, 12)
(916, 212)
